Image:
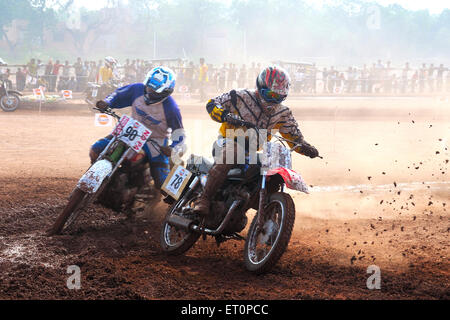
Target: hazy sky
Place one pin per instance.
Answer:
(434, 6)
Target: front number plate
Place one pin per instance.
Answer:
(132, 132)
(176, 181)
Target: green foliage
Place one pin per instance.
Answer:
(287, 29)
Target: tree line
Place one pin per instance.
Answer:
(346, 30)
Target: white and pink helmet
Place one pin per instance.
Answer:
(273, 84)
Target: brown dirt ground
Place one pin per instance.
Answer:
(403, 228)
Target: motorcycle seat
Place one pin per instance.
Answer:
(198, 163)
(235, 173)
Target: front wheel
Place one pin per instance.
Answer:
(264, 246)
(9, 102)
(77, 201)
(175, 241)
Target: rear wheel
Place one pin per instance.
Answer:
(77, 201)
(175, 241)
(264, 246)
(9, 102)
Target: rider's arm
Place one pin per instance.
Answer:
(216, 111)
(219, 107)
(174, 121)
(288, 128)
(125, 96)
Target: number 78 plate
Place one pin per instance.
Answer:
(176, 181)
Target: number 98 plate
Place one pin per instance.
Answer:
(176, 181)
(132, 132)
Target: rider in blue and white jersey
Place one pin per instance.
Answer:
(153, 106)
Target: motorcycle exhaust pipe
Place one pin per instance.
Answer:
(188, 225)
(180, 222)
(224, 223)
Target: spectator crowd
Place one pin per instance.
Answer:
(202, 78)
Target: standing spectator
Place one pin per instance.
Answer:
(414, 80)
(127, 71)
(332, 77)
(222, 78)
(40, 71)
(78, 73)
(372, 78)
(340, 81)
(422, 77)
(440, 77)
(65, 71)
(54, 76)
(299, 77)
(64, 78)
(86, 71)
(252, 74)
(325, 80)
(32, 68)
(20, 79)
(242, 76)
(139, 72)
(448, 80)
(99, 66)
(92, 72)
(404, 80)
(386, 77)
(364, 79)
(394, 83)
(231, 75)
(48, 75)
(202, 78)
(133, 71)
(313, 79)
(430, 75)
(189, 76)
(350, 80)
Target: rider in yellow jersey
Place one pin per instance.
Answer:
(241, 109)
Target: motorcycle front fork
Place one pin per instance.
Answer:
(262, 202)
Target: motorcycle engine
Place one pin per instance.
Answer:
(121, 191)
(238, 220)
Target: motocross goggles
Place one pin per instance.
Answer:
(151, 96)
(271, 96)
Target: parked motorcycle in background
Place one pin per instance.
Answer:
(117, 178)
(95, 91)
(9, 99)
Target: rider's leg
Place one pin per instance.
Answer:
(216, 177)
(160, 169)
(97, 148)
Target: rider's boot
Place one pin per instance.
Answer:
(216, 177)
(93, 155)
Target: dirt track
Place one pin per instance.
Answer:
(380, 197)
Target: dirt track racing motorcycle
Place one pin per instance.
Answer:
(116, 177)
(95, 91)
(9, 99)
(259, 186)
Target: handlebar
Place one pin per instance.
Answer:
(296, 144)
(108, 111)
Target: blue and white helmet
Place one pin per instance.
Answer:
(161, 82)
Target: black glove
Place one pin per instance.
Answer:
(237, 121)
(308, 150)
(167, 151)
(102, 105)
